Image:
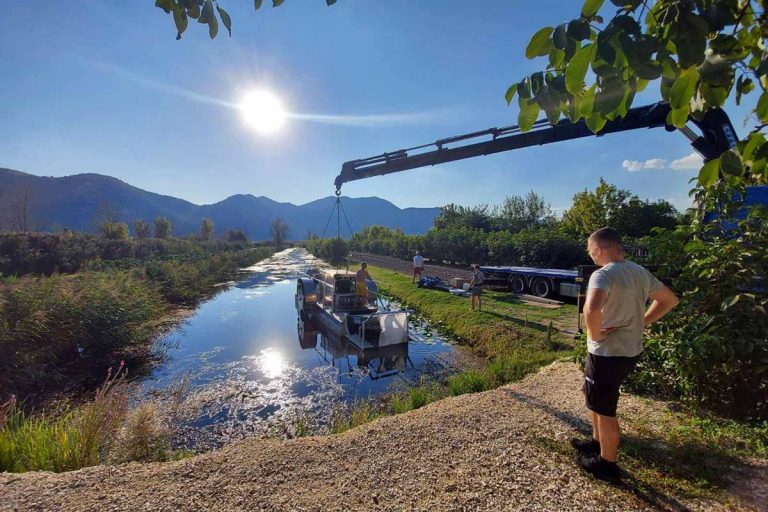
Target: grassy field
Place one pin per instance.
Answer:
(504, 326)
(516, 338)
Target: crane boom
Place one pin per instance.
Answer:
(717, 136)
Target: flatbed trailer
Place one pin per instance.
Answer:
(542, 282)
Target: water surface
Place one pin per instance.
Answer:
(254, 369)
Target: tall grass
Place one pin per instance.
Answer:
(70, 439)
(58, 332)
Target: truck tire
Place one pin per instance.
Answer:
(541, 287)
(517, 285)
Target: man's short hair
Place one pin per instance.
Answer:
(363, 264)
(606, 236)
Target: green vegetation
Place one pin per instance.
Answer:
(100, 430)
(60, 333)
(522, 230)
(332, 250)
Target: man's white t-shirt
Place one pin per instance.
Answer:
(418, 261)
(627, 286)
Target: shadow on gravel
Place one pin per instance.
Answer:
(641, 489)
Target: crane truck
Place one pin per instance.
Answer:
(710, 137)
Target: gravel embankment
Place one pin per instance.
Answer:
(488, 451)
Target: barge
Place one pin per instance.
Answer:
(328, 298)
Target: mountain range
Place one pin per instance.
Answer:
(82, 201)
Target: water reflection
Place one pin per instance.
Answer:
(248, 375)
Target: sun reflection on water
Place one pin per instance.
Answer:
(272, 363)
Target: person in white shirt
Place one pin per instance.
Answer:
(418, 266)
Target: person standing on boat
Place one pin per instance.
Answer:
(418, 266)
(476, 287)
(361, 288)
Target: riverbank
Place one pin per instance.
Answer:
(504, 449)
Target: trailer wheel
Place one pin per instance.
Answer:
(541, 288)
(517, 285)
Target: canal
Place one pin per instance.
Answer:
(245, 365)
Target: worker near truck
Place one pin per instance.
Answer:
(615, 314)
(476, 287)
(361, 288)
(418, 266)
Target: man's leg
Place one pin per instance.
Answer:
(609, 432)
(595, 426)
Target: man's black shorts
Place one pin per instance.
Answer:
(602, 378)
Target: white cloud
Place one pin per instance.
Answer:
(638, 165)
(692, 161)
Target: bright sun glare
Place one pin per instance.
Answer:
(262, 111)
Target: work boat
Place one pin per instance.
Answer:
(327, 297)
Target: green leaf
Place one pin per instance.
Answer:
(510, 93)
(626, 4)
(691, 39)
(730, 163)
(181, 20)
(540, 43)
(225, 19)
(684, 88)
(577, 68)
(165, 5)
(213, 27)
(529, 112)
(556, 58)
(677, 117)
(277, 3)
(591, 7)
(610, 96)
(207, 13)
(559, 37)
(595, 122)
(709, 174)
(578, 30)
(762, 108)
(587, 102)
(330, 2)
(193, 9)
(257, 4)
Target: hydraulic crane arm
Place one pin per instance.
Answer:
(717, 136)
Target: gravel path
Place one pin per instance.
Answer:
(488, 451)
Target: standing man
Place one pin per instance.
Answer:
(615, 314)
(418, 266)
(361, 289)
(476, 287)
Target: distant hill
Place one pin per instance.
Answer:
(78, 203)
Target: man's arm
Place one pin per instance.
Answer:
(593, 315)
(663, 300)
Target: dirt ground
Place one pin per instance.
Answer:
(444, 272)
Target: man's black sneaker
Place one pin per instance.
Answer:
(586, 446)
(601, 468)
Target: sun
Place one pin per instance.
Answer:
(263, 111)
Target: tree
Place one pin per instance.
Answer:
(141, 228)
(162, 227)
(518, 213)
(618, 208)
(279, 230)
(206, 229)
(202, 11)
(114, 230)
(695, 49)
(475, 217)
(20, 210)
(236, 235)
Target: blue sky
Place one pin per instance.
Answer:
(104, 87)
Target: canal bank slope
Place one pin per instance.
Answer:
(504, 449)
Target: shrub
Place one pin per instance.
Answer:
(331, 250)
